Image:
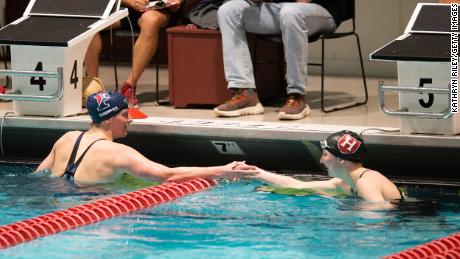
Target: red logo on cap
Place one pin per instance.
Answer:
(348, 144)
(101, 99)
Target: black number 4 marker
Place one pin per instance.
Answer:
(74, 75)
(40, 81)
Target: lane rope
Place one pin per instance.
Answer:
(88, 213)
(447, 247)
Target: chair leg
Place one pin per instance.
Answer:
(114, 60)
(5, 63)
(322, 74)
(157, 83)
(4, 53)
(256, 58)
(362, 69)
(115, 71)
(366, 96)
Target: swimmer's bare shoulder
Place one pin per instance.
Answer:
(119, 155)
(69, 136)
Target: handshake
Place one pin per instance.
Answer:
(237, 170)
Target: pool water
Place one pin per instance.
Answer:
(229, 221)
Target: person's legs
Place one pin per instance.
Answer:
(147, 43)
(298, 21)
(236, 56)
(92, 56)
(145, 47)
(235, 18)
(94, 51)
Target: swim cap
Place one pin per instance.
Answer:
(346, 145)
(104, 105)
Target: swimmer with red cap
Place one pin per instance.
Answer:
(342, 156)
(91, 157)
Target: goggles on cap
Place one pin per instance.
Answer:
(324, 145)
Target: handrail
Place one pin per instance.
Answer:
(36, 98)
(404, 111)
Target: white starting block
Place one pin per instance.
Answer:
(48, 45)
(423, 59)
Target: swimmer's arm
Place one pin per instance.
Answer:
(290, 182)
(140, 166)
(231, 171)
(157, 172)
(47, 163)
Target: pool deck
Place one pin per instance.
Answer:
(202, 122)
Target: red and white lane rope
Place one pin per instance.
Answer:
(447, 247)
(85, 214)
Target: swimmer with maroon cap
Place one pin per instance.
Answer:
(342, 155)
(91, 157)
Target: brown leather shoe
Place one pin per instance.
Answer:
(295, 108)
(243, 102)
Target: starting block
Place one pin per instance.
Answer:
(48, 46)
(423, 57)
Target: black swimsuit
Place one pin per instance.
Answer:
(72, 165)
(361, 175)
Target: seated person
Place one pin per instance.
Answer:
(149, 23)
(92, 157)
(294, 21)
(342, 155)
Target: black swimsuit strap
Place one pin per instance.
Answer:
(361, 175)
(72, 165)
(365, 171)
(400, 193)
(77, 163)
(72, 155)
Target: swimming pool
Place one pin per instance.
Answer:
(229, 221)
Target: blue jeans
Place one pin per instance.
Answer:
(294, 21)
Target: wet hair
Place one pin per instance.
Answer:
(104, 105)
(346, 145)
